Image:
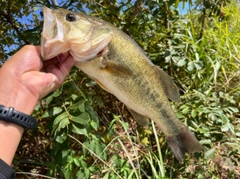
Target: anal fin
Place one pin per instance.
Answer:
(144, 121)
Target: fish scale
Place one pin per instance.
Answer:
(119, 66)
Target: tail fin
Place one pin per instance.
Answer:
(182, 143)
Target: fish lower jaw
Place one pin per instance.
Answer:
(82, 57)
(88, 54)
(91, 50)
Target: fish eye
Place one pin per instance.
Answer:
(70, 17)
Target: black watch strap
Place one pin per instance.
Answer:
(11, 115)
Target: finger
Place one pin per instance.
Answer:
(61, 69)
(64, 56)
(67, 65)
(54, 62)
(38, 50)
(58, 59)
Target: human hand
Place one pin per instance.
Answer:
(25, 78)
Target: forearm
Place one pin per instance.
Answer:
(13, 94)
(10, 136)
(10, 133)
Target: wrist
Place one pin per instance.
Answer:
(14, 116)
(20, 101)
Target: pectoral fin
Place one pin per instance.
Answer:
(139, 118)
(117, 69)
(112, 66)
(169, 87)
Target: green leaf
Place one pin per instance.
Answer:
(97, 147)
(181, 62)
(64, 122)
(74, 97)
(94, 119)
(225, 128)
(194, 113)
(76, 161)
(206, 141)
(185, 110)
(57, 93)
(78, 130)
(59, 118)
(83, 118)
(233, 109)
(209, 153)
(61, 138)
(49, 99)
(52, 96)
(80, 105)
(190, 66)
(51, 112)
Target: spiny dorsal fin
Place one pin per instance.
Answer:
(144, 121)
(169, 87)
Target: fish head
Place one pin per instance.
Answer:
(64, 30)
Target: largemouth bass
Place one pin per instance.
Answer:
(118, 65)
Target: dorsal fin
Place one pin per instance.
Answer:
(170, 88)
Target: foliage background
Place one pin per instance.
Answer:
(84, 132)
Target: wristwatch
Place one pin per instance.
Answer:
(11, 115)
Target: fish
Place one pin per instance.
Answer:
(121, 67)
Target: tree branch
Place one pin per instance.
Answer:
(9, 20)
(55, 2)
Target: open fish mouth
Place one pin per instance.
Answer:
(60, 35)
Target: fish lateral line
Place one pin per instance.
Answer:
(118, 64)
